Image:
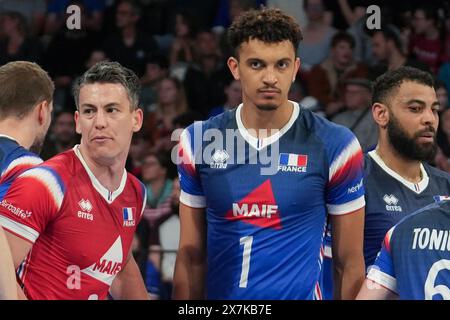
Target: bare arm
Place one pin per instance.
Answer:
(128, 284)
(371, 290)
(348, 260)
(351, 16)
(190, 266)
(19, 250)
(7, 274)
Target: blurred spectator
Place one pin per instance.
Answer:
(157, 68)
(297, 93)
(356, 19)
(441, 161)
(56, 14)
(62, 135)
(159, 122)
(233, 92)
(442, 95)
(325, 81)
(32, 10)
(205, 78)
(228, 11)
(66, 56)
(157, 16)
(388, 50)
(317, 35)
(204, 10)
(16, 44)
(444, 75)
(162, 204)
(295, 8)
(130, 47)
(185, 119)
(358, 114)
(140, 144)
(169, 235)
(181, 51)
(443, 133)
(427, 43)
(95, 57)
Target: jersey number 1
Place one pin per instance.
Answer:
(247, 243)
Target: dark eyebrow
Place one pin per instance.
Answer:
(260, 60)
(422, 103)
(89, 105)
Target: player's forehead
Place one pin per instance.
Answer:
(257, 49)
(99, 94)
(409, 91)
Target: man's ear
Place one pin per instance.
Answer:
(297, 65)
(42, 110)
(233, 65)
(77, 122)
(380, 113)
(138, 118)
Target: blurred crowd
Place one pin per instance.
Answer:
(178, 48)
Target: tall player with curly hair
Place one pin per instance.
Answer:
(250, 234)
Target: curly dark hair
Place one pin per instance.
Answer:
(269, 25)
(388, 83)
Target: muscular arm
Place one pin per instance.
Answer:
(128, 284)
(190, 266)
(371, 290)
(348, 260)
(7, 275)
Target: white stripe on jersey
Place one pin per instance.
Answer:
(18, 228)
(48, 179)
(340, 209)
(192, 201)
(345, 155)
(25, 160)
(383, 279)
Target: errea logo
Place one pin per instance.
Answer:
(219, 158)
(86, 208)
(391, 203)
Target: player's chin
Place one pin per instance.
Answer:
(267, 104)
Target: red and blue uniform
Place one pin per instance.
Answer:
(81, 232)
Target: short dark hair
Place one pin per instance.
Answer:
(267, 25)
(23, 85)
(386, 84)
(391, 33)
(109, 72)
(342, 36)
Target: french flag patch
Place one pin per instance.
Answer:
(293, 162)
(128, 216)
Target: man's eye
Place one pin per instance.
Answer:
(255, 64)
(112, 110)
(283, 65)
(88, 111)
(414, 108)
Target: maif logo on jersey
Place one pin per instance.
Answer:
(128, 217)
(291, 162)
